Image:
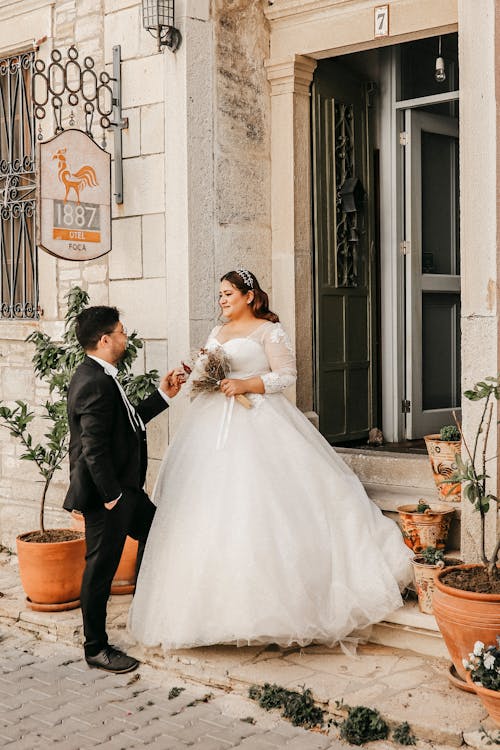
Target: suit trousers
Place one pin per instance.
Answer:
(105, 534)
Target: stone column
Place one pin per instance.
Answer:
(479, 49)
(189, 179)
(291, 210)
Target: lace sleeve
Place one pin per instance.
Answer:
(213, 333)
(281, 360)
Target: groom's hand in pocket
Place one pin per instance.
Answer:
(112, 503)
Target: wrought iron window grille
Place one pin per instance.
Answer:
(348, 226)
(18, 254)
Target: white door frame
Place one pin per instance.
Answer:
(392, 232)
(418, 421)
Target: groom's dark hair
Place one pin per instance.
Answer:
(94, 322)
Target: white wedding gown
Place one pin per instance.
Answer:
(262, 533)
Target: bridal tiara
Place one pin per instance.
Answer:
(246, 276)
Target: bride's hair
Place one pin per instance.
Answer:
(260, 303)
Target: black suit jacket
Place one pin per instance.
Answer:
(106, 455)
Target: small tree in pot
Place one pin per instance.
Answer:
(55, 363)
(467, 597)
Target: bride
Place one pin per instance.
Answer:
(262, 533)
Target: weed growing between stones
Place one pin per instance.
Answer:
(363, 725)
(174, 692)
(299, 708)
(402, 734)
(204, 699)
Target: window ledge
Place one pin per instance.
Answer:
(17, 330)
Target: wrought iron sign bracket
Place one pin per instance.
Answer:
(118, 123)
(71, 83)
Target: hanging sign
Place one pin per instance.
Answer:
(74, 197)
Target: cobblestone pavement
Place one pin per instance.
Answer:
(48, 696)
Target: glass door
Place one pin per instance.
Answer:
(432, 272)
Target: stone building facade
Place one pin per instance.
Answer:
(224, 164)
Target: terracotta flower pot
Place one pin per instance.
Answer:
(442, 455)
(424, 575)
(489, 698)
(124, 579)
(464, 617)
(429, 529)
(51, 573)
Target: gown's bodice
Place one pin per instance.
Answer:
(248, 358)
(266, 352)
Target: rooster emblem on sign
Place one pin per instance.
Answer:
(77, 181)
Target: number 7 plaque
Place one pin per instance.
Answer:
(74, 197)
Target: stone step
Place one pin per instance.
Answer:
(393, 479)
(411, 470)
(409, 629)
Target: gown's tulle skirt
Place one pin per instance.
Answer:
(267, 537)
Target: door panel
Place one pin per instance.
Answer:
(432, 272)
(344, 276)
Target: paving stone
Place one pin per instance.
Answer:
(209, 743)
(308, 741)
(146, 733)
(234, 733)
(119, 742)
(276, 739)
(28, 742)
(187, 734)
(102, 732)
(164, 742)
(257, 742)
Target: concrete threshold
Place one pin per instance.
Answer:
(402, 684)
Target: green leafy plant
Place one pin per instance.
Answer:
(363, 725)
(299, 708)
(55, 362)
(422, 506)
(484, 665)
(449, 433)
(402, 734)
(472, 472)
(432, 556)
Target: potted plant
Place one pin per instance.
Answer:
(483, 673)
(425, 566)
(423, 525)
(51, 561)
(467, 597)
(443, 448)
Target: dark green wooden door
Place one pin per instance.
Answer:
(344, 255)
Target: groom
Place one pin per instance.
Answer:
(108, 461)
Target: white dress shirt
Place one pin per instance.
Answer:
(134, 418)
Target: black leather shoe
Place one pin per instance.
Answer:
(112, 660)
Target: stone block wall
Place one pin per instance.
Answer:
(196, 166)
(132, 276)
